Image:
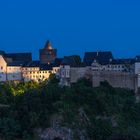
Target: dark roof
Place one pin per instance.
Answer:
(26, 57)
(73, 60)
(46, 66)
(125, 61)
(32, 64)
(122, 61)
(16, 63)
(100, 57)
(38, 64)
(57, 62)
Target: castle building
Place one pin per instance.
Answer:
(31, 71)
(35, 71)
(47, 54)
(3, 69)
(21, 67)
(101, 66)
(97, 66)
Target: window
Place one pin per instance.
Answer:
(67, 73)
(14, 76)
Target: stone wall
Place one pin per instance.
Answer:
(77, 73)
(116, 79)
(138, 80)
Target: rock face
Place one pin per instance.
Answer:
(62, 133)
(56, 134)
(57, 131)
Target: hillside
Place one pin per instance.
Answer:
(80, 112)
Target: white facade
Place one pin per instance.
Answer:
(64, 75)
(65, 71)
(3, 69)
(137, 68)
(109, 67)
(137, 71)
(35, 74)
(14, 73)
(30, 73)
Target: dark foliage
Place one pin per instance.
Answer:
(107, 113)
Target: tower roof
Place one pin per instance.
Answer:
(48, 45)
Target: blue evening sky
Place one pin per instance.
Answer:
(73, 26)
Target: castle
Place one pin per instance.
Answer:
(102, 66)
(21, 67)
(97, 66)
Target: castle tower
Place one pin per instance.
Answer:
(47, 54)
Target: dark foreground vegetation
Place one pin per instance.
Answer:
(108, 113)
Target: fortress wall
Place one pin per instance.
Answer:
(77, 73)
(116, 79)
